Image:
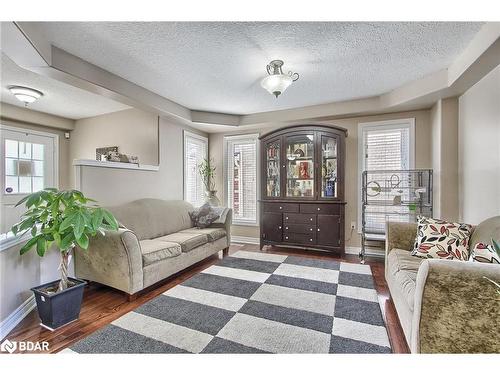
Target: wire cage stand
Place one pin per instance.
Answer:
(392, 195)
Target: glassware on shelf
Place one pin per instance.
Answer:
(329, 167)
(300, 166)
(273, 169)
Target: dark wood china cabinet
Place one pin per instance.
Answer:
(302, 179)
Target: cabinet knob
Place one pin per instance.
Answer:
(311, 219)
(310, 239)
(318, 229)
(319, 209)
(286, 218)
(286, 238)
(279, 227)
(281, 208)
(311, 229)
(286, 227)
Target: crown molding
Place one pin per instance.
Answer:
(23, 42)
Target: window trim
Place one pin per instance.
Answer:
(226, 139)
(185, 135)
(408, 123)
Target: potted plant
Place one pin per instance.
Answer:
(65, 219)
(207, 173)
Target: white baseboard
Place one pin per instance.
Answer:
(248, 240)
(9, 323)
(355, 251)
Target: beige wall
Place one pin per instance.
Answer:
(479, 150)
(116, 186)
(444, 124)
(135, 132)
(422, 160)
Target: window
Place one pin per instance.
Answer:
(385, 145)
(195, 150)
(240, 176)
(29, 164)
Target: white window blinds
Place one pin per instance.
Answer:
(383, 146)
(195, 150)
(240, 167)
(386, 149)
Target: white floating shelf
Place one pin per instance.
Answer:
(116, 165)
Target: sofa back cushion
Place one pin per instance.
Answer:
(484, 232)
(152, 218)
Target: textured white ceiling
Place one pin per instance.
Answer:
(218, 66)
(59, 98)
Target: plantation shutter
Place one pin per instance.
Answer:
(241, 178)
(195, 150)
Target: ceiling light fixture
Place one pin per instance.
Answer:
(25, 94)
(277, 82)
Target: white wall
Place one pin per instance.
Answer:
(444, 123)
(479, 150)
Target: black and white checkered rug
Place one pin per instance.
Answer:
(254, 303)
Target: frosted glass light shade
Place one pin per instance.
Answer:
(276, 84)
(25, 94)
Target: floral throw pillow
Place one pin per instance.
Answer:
(441, 239)
(485, 254)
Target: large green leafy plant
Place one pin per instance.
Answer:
(64, 218)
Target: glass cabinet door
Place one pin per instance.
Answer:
(299, 152)
(329, 167)
(273, 169)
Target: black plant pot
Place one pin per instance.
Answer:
(58, 309)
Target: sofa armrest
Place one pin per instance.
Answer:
(457, 310)
(114, 259)
(226, 225)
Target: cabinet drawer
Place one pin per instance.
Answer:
(280, 207)
(327, 209)
(299, 219)
(300, 238)
(299, 228)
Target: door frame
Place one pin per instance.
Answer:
(55, 139)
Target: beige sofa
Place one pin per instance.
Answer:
(156, 240)
(444, 306)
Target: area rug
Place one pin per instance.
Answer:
(254, 302)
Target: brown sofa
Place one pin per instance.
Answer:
(444, 306)
(157, 240)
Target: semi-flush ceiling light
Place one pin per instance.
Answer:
(277, 82)
(25, 94)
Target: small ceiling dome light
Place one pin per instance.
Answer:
(25, 94)
(277, 82)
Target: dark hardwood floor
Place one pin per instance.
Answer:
(102, 305)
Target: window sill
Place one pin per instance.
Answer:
(8, 240)
(245, 224)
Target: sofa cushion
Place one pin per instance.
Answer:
(187, 241)
(154, 251)
(404, 267)
(485, 231)
(213, 233)
(151, 218)
(440, 239)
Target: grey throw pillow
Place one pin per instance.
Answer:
(204, 216)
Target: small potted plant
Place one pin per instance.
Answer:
(64, 219)
(207, 173)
